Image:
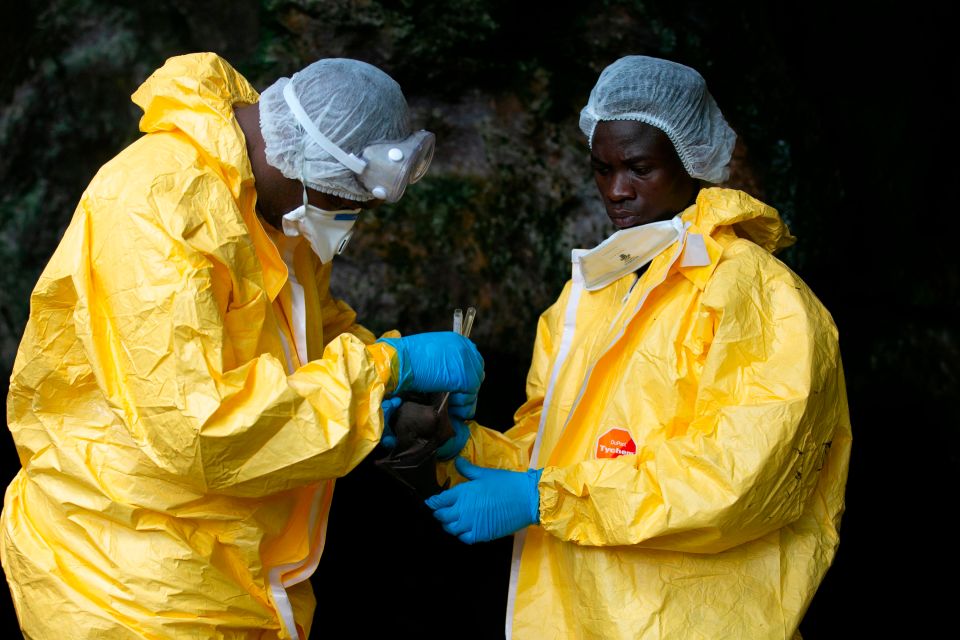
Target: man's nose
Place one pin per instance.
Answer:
(619, 188)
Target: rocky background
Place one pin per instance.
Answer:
(843, 126)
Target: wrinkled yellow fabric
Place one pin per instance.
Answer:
(176, 468)
(729, 383)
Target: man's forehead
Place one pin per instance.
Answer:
(631, 138)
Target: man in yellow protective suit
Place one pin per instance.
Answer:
(187, 388)
(678, 469)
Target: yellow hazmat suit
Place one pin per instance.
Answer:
(177, 453)
(694, 434)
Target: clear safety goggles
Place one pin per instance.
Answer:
(385, 168)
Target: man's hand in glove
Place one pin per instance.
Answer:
(389, 439)
(437, 361)
(494, 503)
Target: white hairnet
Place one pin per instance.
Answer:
(352, 103)
(672, 98)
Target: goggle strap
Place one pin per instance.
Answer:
(348, 160)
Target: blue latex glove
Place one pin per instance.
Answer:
(462, 405)
(437, 361)
(494, 503)
(389, 439)
(453, 446)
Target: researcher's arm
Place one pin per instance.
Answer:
(177, 326)
(770, 399)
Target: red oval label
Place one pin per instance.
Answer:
(615, 443)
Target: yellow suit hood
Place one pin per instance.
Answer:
(747, 216)
(185, 93)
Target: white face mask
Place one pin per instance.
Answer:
(626, 251)
(328, 232)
